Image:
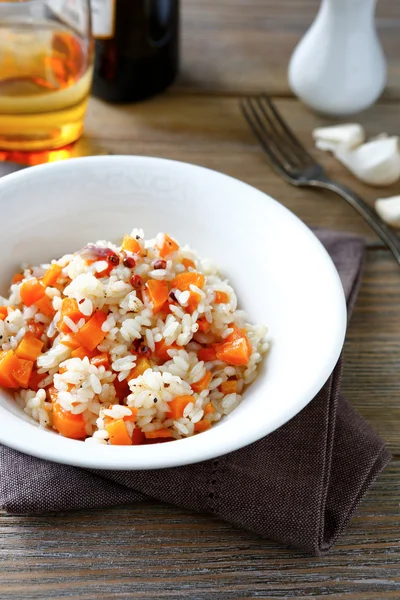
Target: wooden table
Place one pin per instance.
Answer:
(229, 48)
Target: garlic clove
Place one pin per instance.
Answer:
(389, 210)
(349, 135)
(376, 162)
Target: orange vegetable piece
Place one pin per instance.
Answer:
(133, 416)
(209, 409)
(91, 334)
(142, 364)
(130, 244)
(193, 301)
(31, 291)
(101, 360)
(177, 406)
(70, 341)
(161, 350)
(221, 298)
(229, 387)
(45, 306)
(8, 362)
(52, 393)
(202, 425)
(235, 352)
(35, 379)
(202, 384)
(208, 353)
(138, 437)
(3, 312)
(158, 433)
(68, 424)
(51, 275)
(118, 433)
(237, 334)
(36, 329)
(17, 278)
(29, 347)
(81, 352)
(69, 308)
(22, 372)
(183, 281)
(203, 324)
(158, 293)
(188, 263)
(169, 245)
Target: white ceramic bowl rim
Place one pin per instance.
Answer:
(212, 443)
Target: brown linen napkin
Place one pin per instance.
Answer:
(300, 485)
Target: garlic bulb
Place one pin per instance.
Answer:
(389, 210)
(376, 162)
(349, 135)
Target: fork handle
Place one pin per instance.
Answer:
(372, 218)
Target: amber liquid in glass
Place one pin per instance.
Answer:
(45, 79)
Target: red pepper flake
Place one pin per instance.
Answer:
(113, 258)
(136, 282)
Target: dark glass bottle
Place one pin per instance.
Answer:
(139, 57)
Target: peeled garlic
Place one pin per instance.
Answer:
(349, 135)
(376, 162)
(389, 210)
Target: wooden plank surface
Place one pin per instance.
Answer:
(191, 128)
(155, 551)
(231, 47)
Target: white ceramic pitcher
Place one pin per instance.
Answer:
(339, 68)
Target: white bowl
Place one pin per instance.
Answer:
(282, 275)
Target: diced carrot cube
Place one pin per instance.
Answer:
(31, 291)
(51, 275)
(17, 278)
(3, 312)
(91, 334)
(29, 347)
(101, 360)
(70, 309)
(68, 424)
(229, 387)
(8, 362)
(133, 416)
(131, 245)
(142, 364)
(209, 409)
(82, 352)
(70, 341)
(234, 353)
(168, 246)
(221, 297)
(138, 437)
(183, 281)
(158, 433)
(158, 293)
(45, 306)
(203, 383)
(177, 406)
(188, 263)
(118, 433)
(203, 324)
(22, 372)
(207, 354)
(202, 425)
(161, 350)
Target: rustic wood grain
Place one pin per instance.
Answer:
(231, 47)
(212, 132)
(234, 46)
(157, 551)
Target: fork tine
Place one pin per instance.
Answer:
(288, 132)
(260, 133)
(285, 147)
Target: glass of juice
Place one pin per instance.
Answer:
(46, 66)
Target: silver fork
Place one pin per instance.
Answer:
(292, 161)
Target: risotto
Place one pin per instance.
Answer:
(126, 345)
